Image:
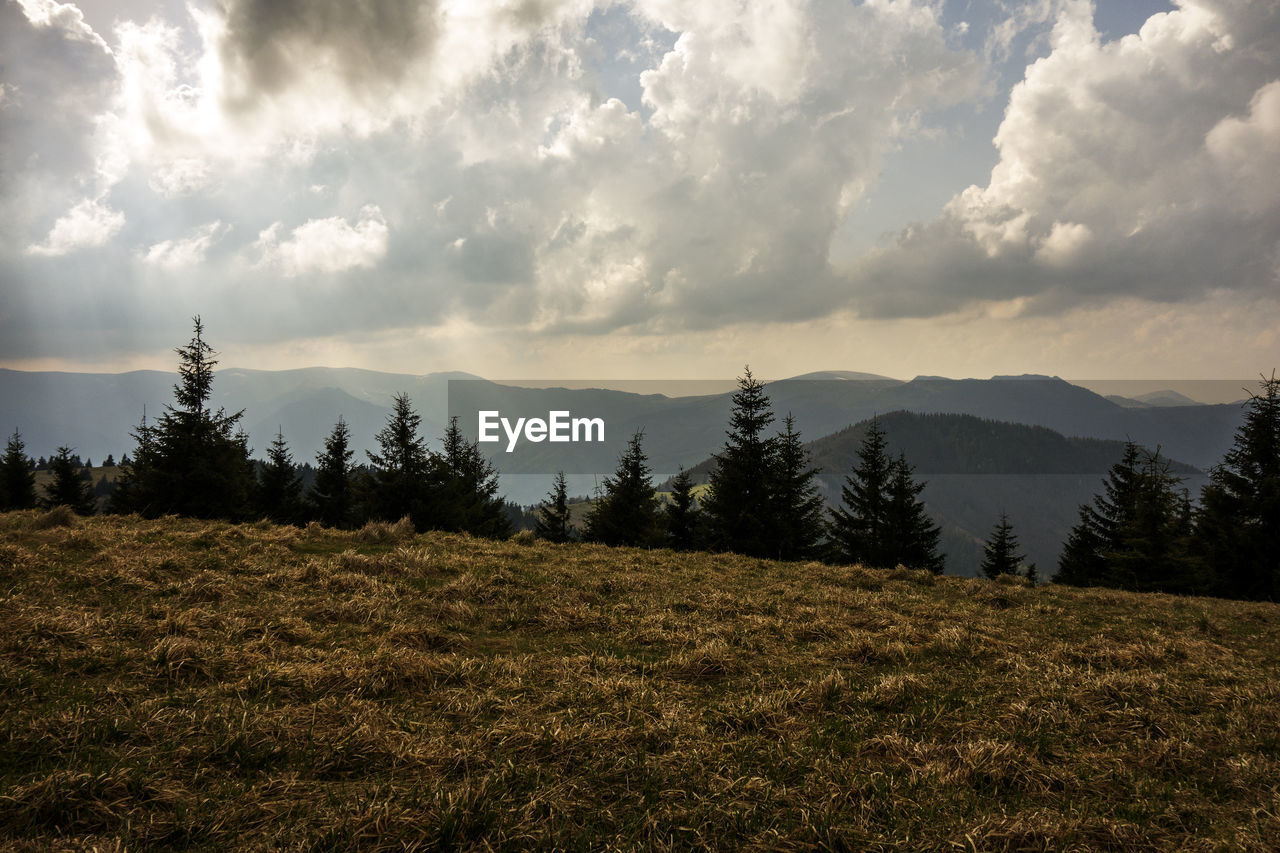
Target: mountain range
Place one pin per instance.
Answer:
(1025, 447)
(975, 469)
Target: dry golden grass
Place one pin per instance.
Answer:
(181, 684)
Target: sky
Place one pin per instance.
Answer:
(646, 189)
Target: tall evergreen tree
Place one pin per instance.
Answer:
(1084, 556)
(911, 536)
(17, 476)
(627, 512)
(1000, 555)
(1153, 548)
(1136, 533)
(798, 525)
(552, 520)
(467, 497)
(860, 526)
(684, 520)
(1238, 527)
(400, 481)
(737, 505)
(279, 492)
(194, 461)
(332, 494)
(69, 486)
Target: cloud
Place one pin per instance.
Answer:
(565, 170)
(66, 17)
(329, 245)
(176, 254)
(1138, 167)
(270, 46)
(87, 225)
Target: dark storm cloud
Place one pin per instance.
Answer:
(271, 43)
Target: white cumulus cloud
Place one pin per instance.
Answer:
(1144, 167)
(189, 251)
(329, 245)
(87, 225)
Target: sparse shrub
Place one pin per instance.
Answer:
(58, 516)
(382, 532)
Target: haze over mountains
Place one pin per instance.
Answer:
(1033, 446)
(975, 469)
(94, 413)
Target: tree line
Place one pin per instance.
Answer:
(1141, 532)
(195, 461)
(761, 500)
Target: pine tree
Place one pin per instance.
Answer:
(1238, 528)
(194, 461)
(466, 498)
(860, 526)
(737, 504)
(798, 525)
(1084, 559)
(17, 476)
(1152, 551)
(684, 520)
(69, 487)
(1000, 555)
(627, 511)
(279, 492)
(912, 537)
(400, 481)
(1136, 535)
(552, 521)
(332, 494)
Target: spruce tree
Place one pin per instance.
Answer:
(911, 536)
(797, 525)
(17, 476)
(279, 492)
(1000, 555)
(684, 520)
(552, 521)
(466, 496)
(193, 461)
(400, 481)
(737, 505)
(69, 487)
(332, 494)
(1136, 535)
(627, 511)
(1152, 552)
(860, 526)
(1084, 559)
(1237, 531)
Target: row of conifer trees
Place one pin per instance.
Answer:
(195, 461)
(761, 500)
(1141, 532)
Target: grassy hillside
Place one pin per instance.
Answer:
(185, 684)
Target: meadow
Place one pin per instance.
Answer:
(182, 684)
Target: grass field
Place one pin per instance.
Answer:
(183, 684)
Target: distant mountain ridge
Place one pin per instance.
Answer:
(95, 412)
(975, 469)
